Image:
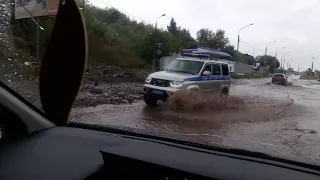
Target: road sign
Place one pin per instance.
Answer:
(26, 8)
(256, 67)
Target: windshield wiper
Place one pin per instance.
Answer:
(169, 70)
(175, 70)
(186, 72)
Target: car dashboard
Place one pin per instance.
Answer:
(76, 153)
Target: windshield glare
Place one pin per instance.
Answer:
(185, 66)
(129, 40)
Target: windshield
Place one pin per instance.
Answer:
(184, 66)
(241, 107)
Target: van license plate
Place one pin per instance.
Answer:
(158, 92)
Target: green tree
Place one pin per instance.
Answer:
(169, 44)
(172, 28)
(204, 37)
(181, 34)
(229, 49)
(270, 61)
(246, 58)
(217, 40)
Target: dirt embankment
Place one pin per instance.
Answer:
(110, 85)
(102, 85)
(101, 73)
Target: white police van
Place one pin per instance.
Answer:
(191, 72)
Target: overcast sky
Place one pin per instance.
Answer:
(294, 24)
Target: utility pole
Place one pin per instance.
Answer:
(239, 39)
(275, 59)
(265, 56)
(156, 45)
(156, 48)
(284, 60)
(265, 52)
(238, 57)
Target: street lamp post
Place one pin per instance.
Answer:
(239, 37)
(253, 52)
(156, 46)
(313, 58)
(277, 51)
(265, 52)
(275, 59)
(284, 60)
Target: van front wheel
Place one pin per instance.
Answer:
(225, 92)
(150, 100)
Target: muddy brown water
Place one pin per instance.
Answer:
(283, 121)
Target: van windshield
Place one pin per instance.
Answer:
(184, 66)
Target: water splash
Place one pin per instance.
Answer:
(194, 101)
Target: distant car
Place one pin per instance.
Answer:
(279, 78)
(296, 73)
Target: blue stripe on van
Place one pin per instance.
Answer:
(207, 78)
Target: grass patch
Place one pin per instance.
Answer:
(249, 76)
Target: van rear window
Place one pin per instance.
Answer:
(225, 70)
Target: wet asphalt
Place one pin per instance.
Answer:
(282, 121)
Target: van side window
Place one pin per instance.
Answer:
(216, 69)
(207, 68)
(225, 70)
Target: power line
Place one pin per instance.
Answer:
(251, 45)
(247, 44)
(107, 4)
(259, 49)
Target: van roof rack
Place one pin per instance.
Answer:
(201, 56)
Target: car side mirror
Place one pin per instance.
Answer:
(206, 73)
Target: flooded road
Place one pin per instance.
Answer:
(279, 120)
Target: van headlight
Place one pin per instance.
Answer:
(176, 83)
(148, 79)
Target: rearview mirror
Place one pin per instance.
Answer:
(206, 73)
